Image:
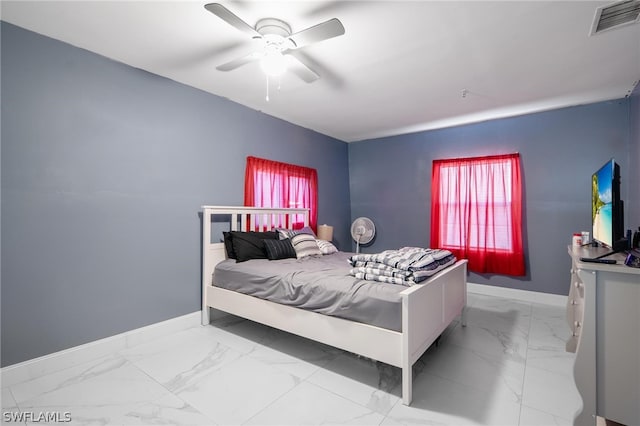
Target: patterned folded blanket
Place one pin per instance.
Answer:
(406, 266)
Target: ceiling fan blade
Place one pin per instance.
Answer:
(302, 70)
(329, 77)
(238, 62)
(226, 15)
(323, 31)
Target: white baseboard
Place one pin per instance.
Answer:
(522, 295)
(57, 361)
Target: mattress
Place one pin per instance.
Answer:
(317, 283)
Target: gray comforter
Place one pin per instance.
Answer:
(320, 284)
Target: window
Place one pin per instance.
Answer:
(476, 212)
(274, 184)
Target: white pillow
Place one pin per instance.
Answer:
(284, 233)
(326, 247)
(305, 245)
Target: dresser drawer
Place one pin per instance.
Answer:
(575, 310)
(572, 344)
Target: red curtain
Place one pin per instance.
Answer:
(270, 183)
(476, 212)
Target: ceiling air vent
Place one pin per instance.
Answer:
(616, 15)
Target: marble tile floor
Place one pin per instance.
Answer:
(507, 367)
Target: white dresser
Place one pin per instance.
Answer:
(603, 311)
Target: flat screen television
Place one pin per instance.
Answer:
(606, 206)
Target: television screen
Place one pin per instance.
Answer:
(605, 204)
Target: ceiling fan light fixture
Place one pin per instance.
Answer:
(273, 63)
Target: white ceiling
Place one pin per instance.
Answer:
(402, 66)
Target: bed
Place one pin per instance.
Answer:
(425, 309)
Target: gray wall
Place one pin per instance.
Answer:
(390, 181)
(633, 204)
(104, 169)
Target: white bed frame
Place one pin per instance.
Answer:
(427, 308)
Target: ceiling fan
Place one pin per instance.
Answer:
(275, 43)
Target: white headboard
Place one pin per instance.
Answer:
(240, 219)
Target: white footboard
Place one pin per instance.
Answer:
(427, 310)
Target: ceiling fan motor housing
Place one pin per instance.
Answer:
(275, 32)
(273, 26)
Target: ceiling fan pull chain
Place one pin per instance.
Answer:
(267, 98)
